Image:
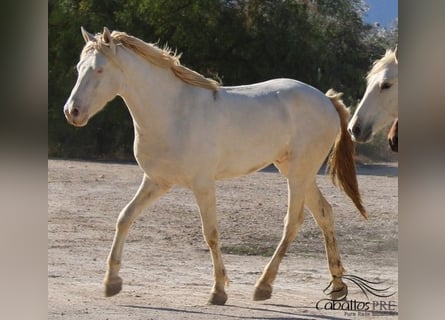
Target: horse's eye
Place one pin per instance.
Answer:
(385, 85)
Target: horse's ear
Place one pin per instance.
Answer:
(108, 39)
(86, 35)
(396, 53)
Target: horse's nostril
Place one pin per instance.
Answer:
(75, 112)
(356, 130)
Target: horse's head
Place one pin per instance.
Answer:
(380, 104)
(99, 78)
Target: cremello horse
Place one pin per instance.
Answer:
(380, 103)
(190, 131)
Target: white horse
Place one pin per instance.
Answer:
(190, 131)
(380, 104)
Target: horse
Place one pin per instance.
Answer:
(191, 131)
(380, 104)
(393, 136)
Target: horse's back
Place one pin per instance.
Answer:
(293, 105)
(282, 92)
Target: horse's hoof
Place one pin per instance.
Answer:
(263, 292)
(339, 293)
(113, 287)
(218, 298)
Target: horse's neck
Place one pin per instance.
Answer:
(149, 93)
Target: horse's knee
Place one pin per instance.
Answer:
(211, 237)
(123, 223)
(126, 218)
(292, 222)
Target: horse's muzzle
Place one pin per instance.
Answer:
(358, 134)
(74, 116)
(394, 143)
(393, 136)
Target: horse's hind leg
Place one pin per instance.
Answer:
(322, 212)
(292, 223)
(148, 192)
(204, 191)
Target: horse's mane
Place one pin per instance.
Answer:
(380, 64)
(161, 57)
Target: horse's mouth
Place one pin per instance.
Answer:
(77, 122)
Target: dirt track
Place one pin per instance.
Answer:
(167, 269)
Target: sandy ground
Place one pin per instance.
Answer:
(167, 269)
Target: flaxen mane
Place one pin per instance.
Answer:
(381, 64)
(163, 58)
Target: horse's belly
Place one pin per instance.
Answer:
(241, 161)
(236, 170)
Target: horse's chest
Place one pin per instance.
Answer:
(159, 161)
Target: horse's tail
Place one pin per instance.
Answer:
(341, 164)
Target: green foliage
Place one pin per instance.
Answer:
(323, 43)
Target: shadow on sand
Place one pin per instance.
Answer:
(233, 312)
(373, 169)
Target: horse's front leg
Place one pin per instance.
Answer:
(205, 197)
(147, 193)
